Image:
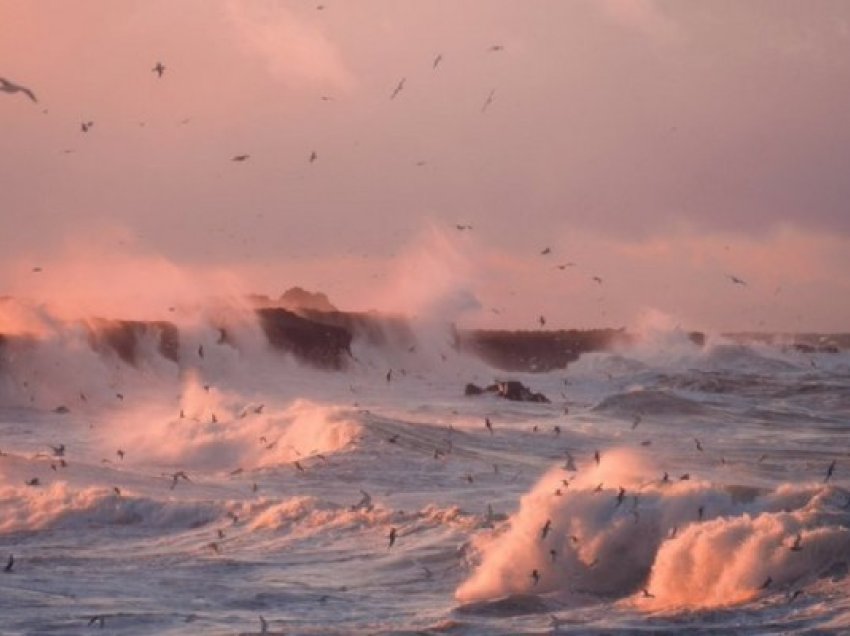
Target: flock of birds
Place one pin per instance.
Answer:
(365, 503)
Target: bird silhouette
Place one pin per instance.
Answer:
(10, 87)
(398, 88)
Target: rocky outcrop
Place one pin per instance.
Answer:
(538, 350)
(296, 298)
(509, 390)
(122, 337)
(309, 341)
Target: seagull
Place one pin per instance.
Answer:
(365, 502)
(398, 88)
(463, 227)
(10, 564)
(488, 101)
(313, 156)
(10, 87)
(33, 482)
(647, 593)
(497, 47)
(829, 471)
(488, 424)
(536, 576)
(96, 619)
(542, 321)
(565, 265)
(264, 626)
(84, 126)
(175, 477)
(699, 444)
(597, 279)
(620, 496)
(597, 457)
(120, 454)
(159, 69)
(393, 534)
(58, 451)
(570, 464)
(241, 157)
(200, 351)
(545, 530)
(636, 421)
(545, 251)
(794, 595)
(736, 280)
(437, 61)
(766, 583)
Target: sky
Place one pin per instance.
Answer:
(659, 147)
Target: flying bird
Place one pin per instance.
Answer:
(463, 227)
(159, 69)
(437, 61)
(597, 279)
(545, 530)
(96, 619)
(736, 280)
(488, 424)
(241, 158)
(393, 535)
(313, 156)
(563, 266)
(829, 471)
(488, 101)
(264, 626)
(620, 496)
(497, 47)
(398, 88)
(84, 126)
(766, 583)
(536, 576)
(10, 564)
(545, 251)
(10, 87)
(699, 444)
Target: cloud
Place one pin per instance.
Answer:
(644, 16)
(296, 51)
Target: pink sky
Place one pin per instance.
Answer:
(661, 146)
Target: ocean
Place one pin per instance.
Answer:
(207, 482)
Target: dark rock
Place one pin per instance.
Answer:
(296, 298)
(518, 392)
(509, 390)
(537, 351)
(318, 344)
(122, 337)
